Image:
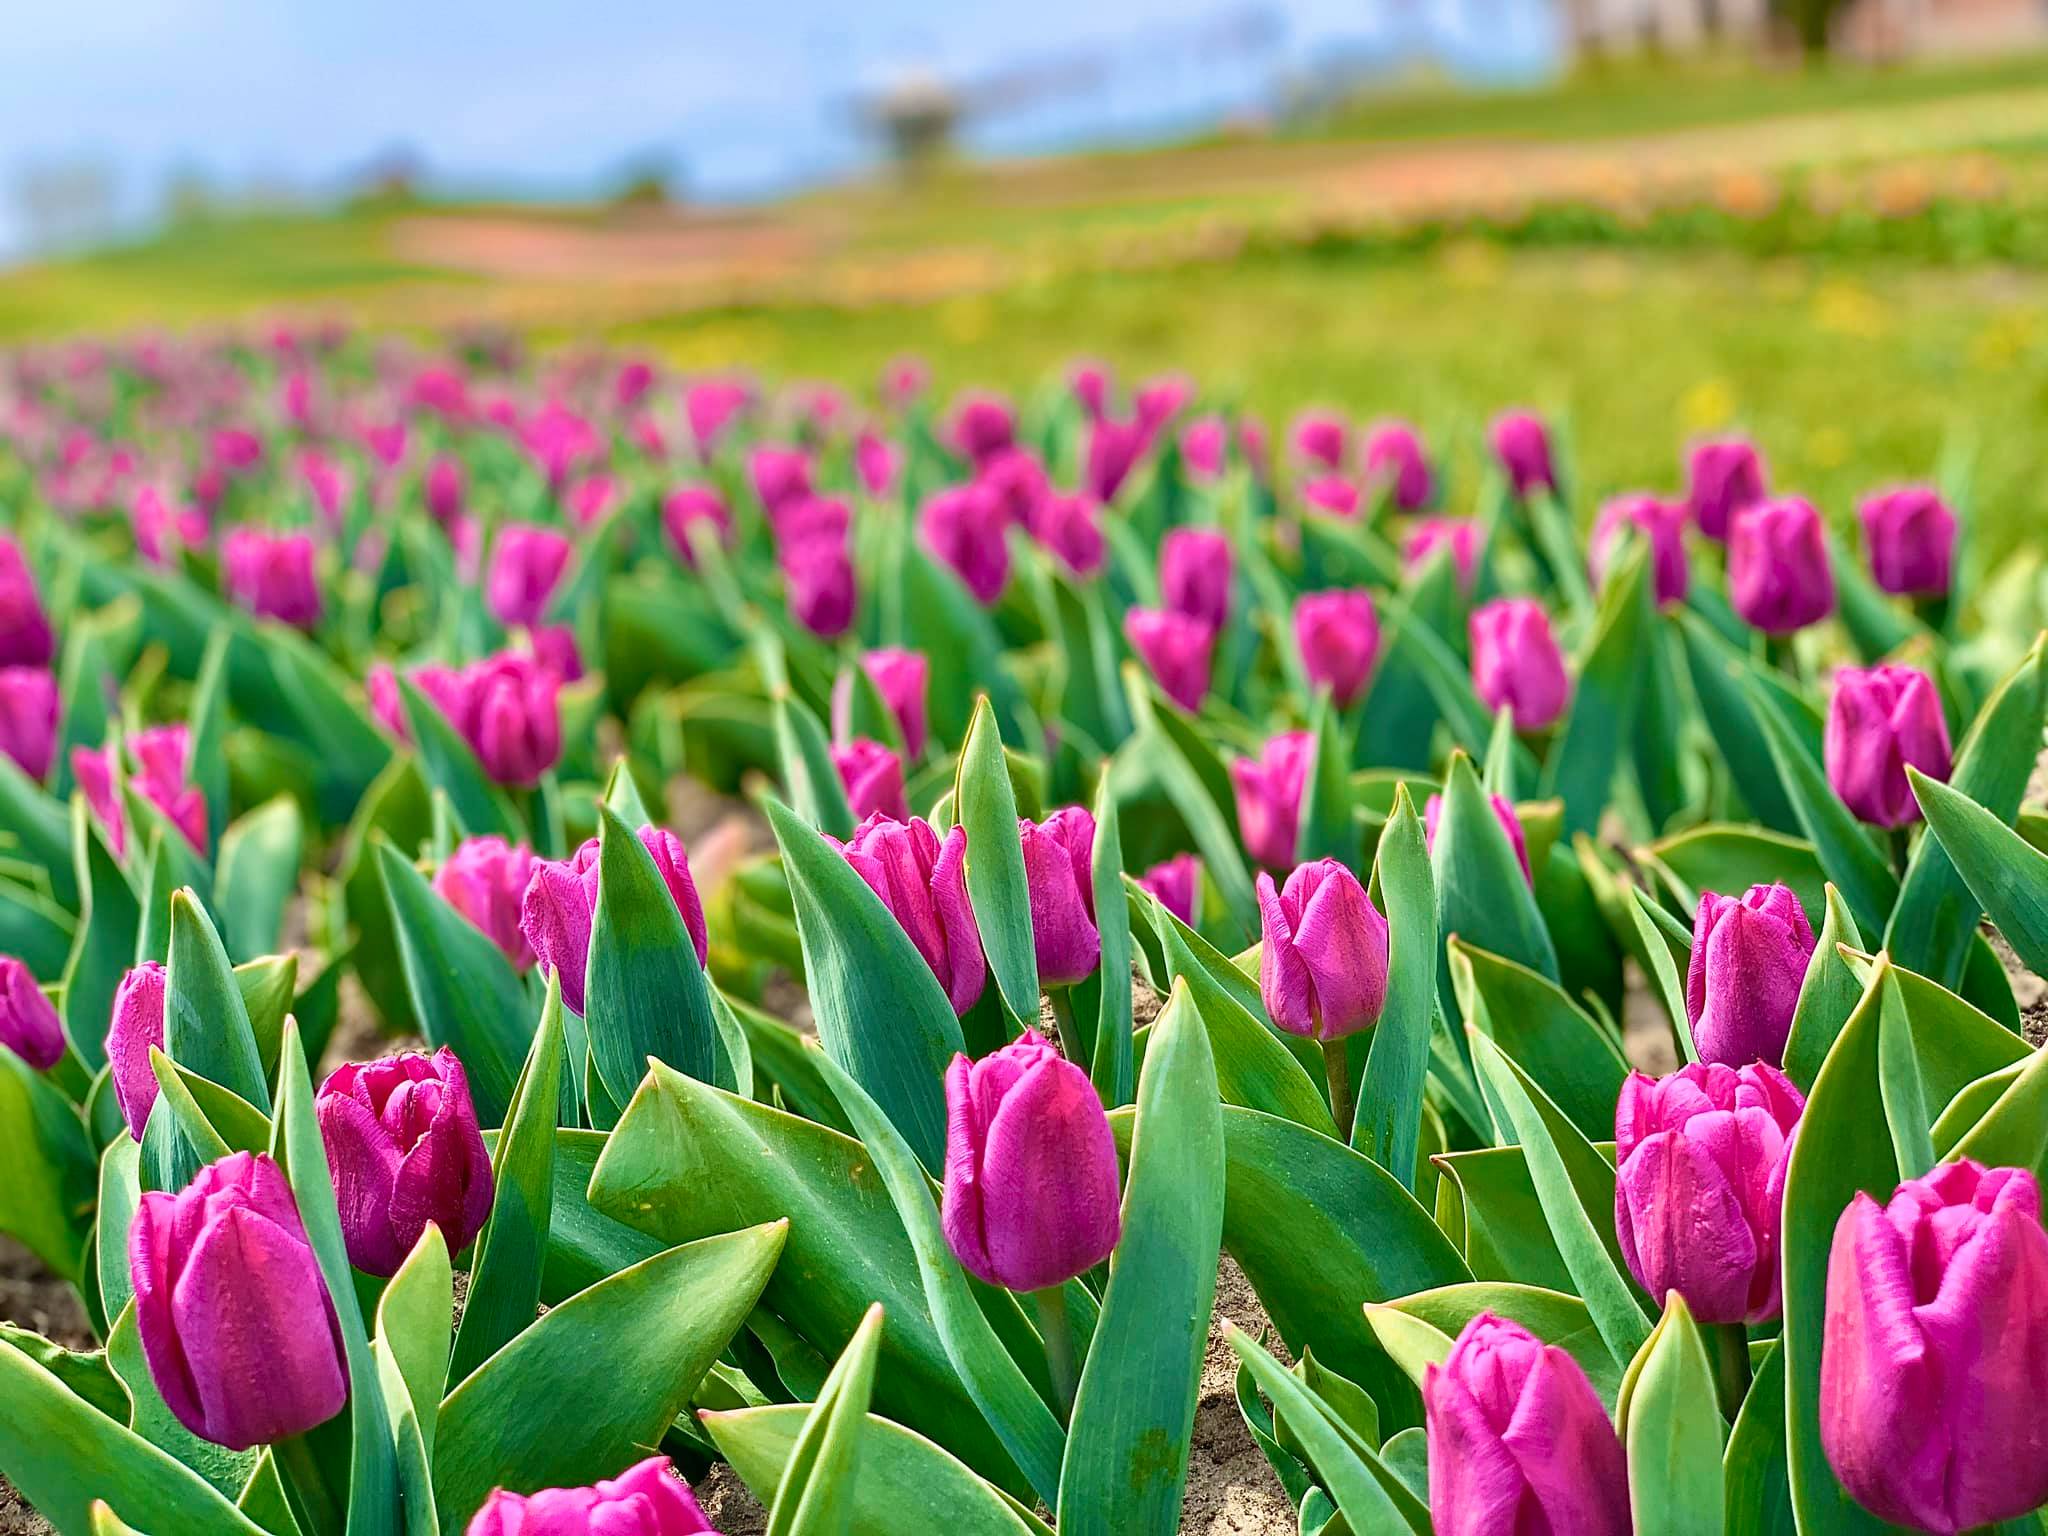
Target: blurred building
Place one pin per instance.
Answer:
(1889, 29)
(1626, 26)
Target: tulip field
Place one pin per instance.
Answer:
(592, 949)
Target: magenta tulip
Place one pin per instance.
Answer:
(962, 527)
(513, 718)
(1269, 797)
(982, 426)
(872, 775)
(1516, 664)
(1462, 536)
(137, 1025)
(1114, 449)
(485, 879)
(1194, 574)
(1394, 461)
(28, 719)
(1662, 523)
(1332, 496)
(1881, 721)
(527, 564)
(443, 489)
(1031, 1195)
(1323, 964)
(1699, 1185)
(29, 1025)
(236, 1323)
(876, 463)
(272, 575)
(1911, 536)
(710, 406)
(647, 1499)
(1521, 446)
(1779, 579)
(1092, 387)
(1321, 438)
(1504, 813)
(923, 882)
(1339, 637)
(1748, 963)
(1070, 527)
(1934, 1349)
(686, 506)
(781, 477)
(560, 905)
(902, 678)
(26, 639)
(818, 583)
(1017, 484)
(1519, 1444)
(1059, 858)
(1176, 884)
(1723, 477)
(1205, 447)
(1176, 649)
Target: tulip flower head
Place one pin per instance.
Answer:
(1934, 1349)
(962, 527)
(1910, 534)
(560, 905)
(876, 462)
(1323, 965)
(1779, 578)
(136, 1027)
(872, 775)
(239, 1332)
(1332, 496)
(1462, 536)
(1059, 856)
(512, 717)
(485, 879)
(1269, 797)
(527, 564)
(1521, 445)
(1723, 477)
(1881, 721)
(1394, 461)
(1194, 574)
(781, 477)
(1069, 526)
(1699, 1188)
(1339, 637)
(818, 583)
(1516, 664)
(1518, 1440)
(29, 1025)
(710, 406)
(272, 575)
(1092, 387)
(1017, 484)
(923, 882)
(28, 719)
(443, 489)
(1660, 522)
(1176, 884)
(1177, 650)
(26, 639)
(981, 427)
(1321, 438)
(902, 678)
(1114, 450)
(1031, 1195)
(647, 1499)
(1205, 447)
(683, 508)
(1749, 960)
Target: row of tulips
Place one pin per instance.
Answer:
(1184, 849)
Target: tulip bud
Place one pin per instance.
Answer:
(1158, 400)
(1935, 1347)
(1016, 483)
(1059, 858)
(923, 882)
(1114, 449)
(29, 1026)
(137, 1025)
(162, 757)
(527, 563)
(1779, 579)
(1031, 1170)
(1881, 721)
(710, 407)
(647, 1499)
(873, 777)
(1091, 385)
(1339, 637)
(1516, 664)
(818, 582)
(1070, 526)
(1911, 536)
(1504, 812)
(982, 427)
(560, 905)
(781, 477)
(1194, 574)
(1323, 965)
(1723, 478)
(1662, 523)
(1176, 649)
(514, 718)
(485, 879)
(25, 636)
(1204, 447)
(963, 528)
(1748, 963)
(271, 575)
(1176, 884)
(902, 679)
(1700, 1161)
(1269, 797)
(1321, 438)
(904, 380)
(688, 504)
(403, 1149)
(28, 718)
(1331, 495)
(236, 1323)
(877, 462)
(442, 489)
(1395, 461)
(1521, 444)
(1518, 1441)
(553, 649)
(1462, 536)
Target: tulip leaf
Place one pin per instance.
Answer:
(40, 826)
(1372, 1500)
(463, 989)
(935, 614)
(1954, 1043)
(1325, 828)
(906, 1483)
(103, 946)
(648, 1333)
(505, 1275)
(1416, 650)
(1654, 950)
(816, 1494)
(1841, 1149)
(82, 713)
(47, 1189)
(2009, 1134)
(206, 721)
(1851, 859)
(815, 790)
(200, 1123)
(336, 729)
(1089, 696)
(151, 1417)
(415, 1330)
(34, 928)
(1198, 785)
(1569, 1056)
(1504, 1236)
(61, 1454)
(1936, 918)
(1127, 1449)
(1388, 1126)
(1575, 1185)
(449, 764)
(1670, 1424)
(688, 1160)
(1755, 1494)
(1827, 996)
(120, 1193)
(1112, 1065)
(1719, 673)
(996, 887)
(256, 874)
(373, 1501)
(206, 1023)
(1730, 859)
(2006, 875)
(1605, 698)
(1418, 1330)
(881, 1013)
(1481, 894)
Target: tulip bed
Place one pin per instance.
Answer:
(1190, 844)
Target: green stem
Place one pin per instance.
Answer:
(1342, 1108)
(1062, 1020)
(1731, 1367)
(1057, 1329)
(313, 1500)
(1902, 847)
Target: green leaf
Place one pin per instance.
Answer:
(206, 1023)
(1718, 857)
(648, 1333)
(463, 990)
(1127, 1449)
(268, 985)
(1575, 1184)
(449, 765)
(46, 1192)
(1112, 1068)
(816, 1495)
(1653, 948)
(1827, 996)
(881, 1013)
(1936, 918)
(1481, 894)
(2013, 1132)
(1325, 829)
(996, 886)
(206, 720)
(258, 870)
(1719, 673)
(1417, 1331)
(1670, 1423)
(40, 824)
(104, 945)
(505, 1274)
(815, 790)
(1755, 1493)
(645, 994)
(906, 1483)
(1549, 1036)
(61, 1454)
(120, 1193)
(2007, 875)
(1389, 1118)
(1504, 1235)
(150, 1416)
(415, 1324)
(1582, 764)
(1198, 785)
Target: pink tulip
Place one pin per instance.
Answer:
(1516, 664)
(485, 879)
(923, 883)
(1881, 721)
(1176, 649)
(1662, 523)
(1323, 962)
(1269, 797)
(647, 1499)
(1176, 884)
(1338, 634)
(873, 778)
(1723, 478)
(1058, 870)
(29, 1025)
(1911, 536)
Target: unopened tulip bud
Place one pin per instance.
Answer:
(29, 1025)
(1017, 484)
(485, 879)
(1911, 536)
(1205, 446)
(1516, 664)
(982, 427)
(1339, 637)
(26, 639)
(877, 462)
(1058, 871)
(923, 882)
(1462, 536)
(1269, 797)
(272, 575)
(515, 718)
(1091, 385)
(1114, 449)
(560, 906)
(1323, 964)
(1070, 526)
(527, 563)
(1881, 721)
(711, 406)
(1331, 496)
(443, 489)
(1177, 650)
(1394, 460)
(1521, 445)
(163, 776)
(688, 505)
(1194, 574)
(1662, 523)
(1779, 578)
(872, 775)
(137, 1025)
(1176, 884)
(962, 527)
(28, 718)
(1321, 438)
(902, 678)
(647, 1499)
(1749, 961)
(781, 477)
(818, 582)
(1723, 477)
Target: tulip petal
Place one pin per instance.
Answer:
(1053, 1210)
(1475, 1483)
(1681, 1228)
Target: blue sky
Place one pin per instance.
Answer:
(549, 97)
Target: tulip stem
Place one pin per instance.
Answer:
(1343, 1109)
(1731, 1366)
(1057, 1329)
(1902, 846)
